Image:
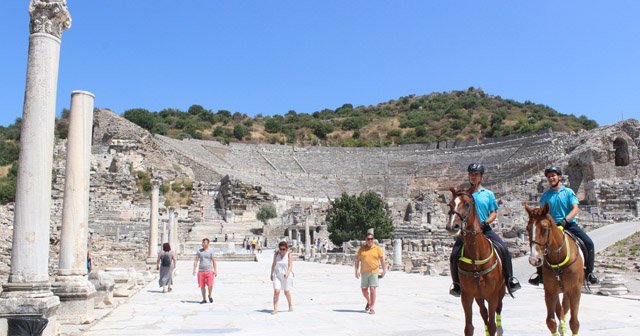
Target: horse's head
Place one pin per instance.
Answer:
(461, 207)
(539, 229)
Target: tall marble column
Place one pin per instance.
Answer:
(172, 229)
(28, 290)
(163, 236)
(73, 288)
(153, 223)
(307, 241)
(397, 254)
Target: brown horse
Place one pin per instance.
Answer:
(562, 268)
(479, 266)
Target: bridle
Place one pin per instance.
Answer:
(463, 218)
(545, 246)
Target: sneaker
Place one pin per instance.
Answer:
(455, 290)
(535, 279)
(592, 279)
(513, 284)
(210, 300)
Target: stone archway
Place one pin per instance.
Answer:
(621, 148)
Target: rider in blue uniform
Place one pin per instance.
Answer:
(563, 207)
(487, 210)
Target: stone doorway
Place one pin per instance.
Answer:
(621, 152)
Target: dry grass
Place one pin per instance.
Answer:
(4, 170)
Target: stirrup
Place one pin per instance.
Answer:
(455, 289)
(535, 279)
(513, 284)
(592, 279)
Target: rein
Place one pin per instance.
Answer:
(546, 251)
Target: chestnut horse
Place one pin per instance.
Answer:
(478, 265)
(562, 268)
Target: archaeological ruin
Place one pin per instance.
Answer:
(105, 192)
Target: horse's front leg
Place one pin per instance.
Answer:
(467, 306)
(483, 313)
(552, 302)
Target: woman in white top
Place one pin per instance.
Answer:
(281, 275)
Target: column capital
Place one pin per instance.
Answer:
(172, 209)
(49, 16)
(156, 183)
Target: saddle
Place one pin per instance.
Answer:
(581, 246)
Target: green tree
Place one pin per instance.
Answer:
(272, 125)
(8, 152)
(266, 212)
(239, 131)
(196, 109)
(350, 216)
(141, 117)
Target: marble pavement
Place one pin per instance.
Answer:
(327, 301)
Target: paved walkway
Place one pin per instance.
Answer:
(327, 301)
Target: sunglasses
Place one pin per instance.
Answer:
(283, 249)
(369, 238)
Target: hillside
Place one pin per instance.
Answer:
(410, 119)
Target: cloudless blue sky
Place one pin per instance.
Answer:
(271, 56)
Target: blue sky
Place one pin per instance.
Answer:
(271, 56)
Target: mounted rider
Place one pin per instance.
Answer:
(563, 207)
(487, 210)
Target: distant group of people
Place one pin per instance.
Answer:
(252, 244)
(370, 264)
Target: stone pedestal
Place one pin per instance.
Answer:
(28, 291)
(76, 295)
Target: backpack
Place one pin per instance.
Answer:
(165, 260)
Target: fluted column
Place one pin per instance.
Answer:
(28, 290)
(73, 288)
(153, 223)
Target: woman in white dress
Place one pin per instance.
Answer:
(281, 275)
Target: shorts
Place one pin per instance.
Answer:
(280, 283)
(205, 278)
(368, 280)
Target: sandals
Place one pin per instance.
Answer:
(372, 312)
(367, 307)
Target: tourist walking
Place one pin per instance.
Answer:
(281, 275)
(166, 263)
(205, 263)
(487, 210)
(563, 207)
(368, 261)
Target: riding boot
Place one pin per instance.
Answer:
(507, 267)
(591, 257)
(453, 267)
(536, 278)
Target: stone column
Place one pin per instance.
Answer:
(397, 254)
(73, 288)
(28, 290)
(307, 242)
(172, 230)
(153, 223)
(163, 237)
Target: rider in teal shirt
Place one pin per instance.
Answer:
(487, 209)
(563, 207)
